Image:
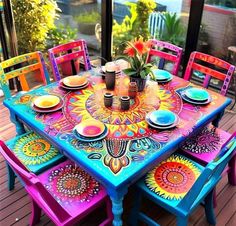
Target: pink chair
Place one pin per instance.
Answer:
(195, 63)
(68, 55)
(204, 146)
(66, 193)
(166, 51)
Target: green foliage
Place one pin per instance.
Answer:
(134, 26)
(60, 35)
(33, 20)
(89, 17)
(173, 30)
(143, 9)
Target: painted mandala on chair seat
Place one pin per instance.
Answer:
(208, 140)
(173, 178)
(71, 184)
(32, 149)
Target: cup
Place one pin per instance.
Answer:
(108, 99)
(110, 80)
(133, 90)
(125, 103)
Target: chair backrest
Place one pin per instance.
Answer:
(68, 53)
(19, 67)
(33, 186)
(156, 24)
(166, 51)
(210, 175)
(195, 64)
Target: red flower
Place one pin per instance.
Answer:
(141, 46)
(129, 51)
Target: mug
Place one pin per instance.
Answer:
(108, 99)
(125, 103)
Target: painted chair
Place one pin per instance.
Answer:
(196, 62)
(203, 147)
(35, 153)
(166, 52)
(179, 185)
(68, 55)
(20, 67)
(66, 193)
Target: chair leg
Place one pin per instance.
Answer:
(36, 213)
(109, 219)
(209, 210)
(11, 178)
(232, 171)
(182, 221)
(133, 217)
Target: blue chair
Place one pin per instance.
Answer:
(179, 185)
(156, 24)
(35, 153)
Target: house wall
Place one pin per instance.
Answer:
(220, 26)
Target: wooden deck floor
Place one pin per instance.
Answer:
(15, 206)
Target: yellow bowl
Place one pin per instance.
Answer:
(90, 128)
(46, 101)
(75, 80)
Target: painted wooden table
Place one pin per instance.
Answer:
(131, 148)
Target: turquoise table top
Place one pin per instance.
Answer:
(131, 147)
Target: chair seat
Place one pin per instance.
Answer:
(205, 145)
(171, 179)
(34, 152)
(74, 189)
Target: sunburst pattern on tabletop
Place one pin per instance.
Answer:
(173, 178)
(31, 149)
(70, 183)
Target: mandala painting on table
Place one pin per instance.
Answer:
(173, 178)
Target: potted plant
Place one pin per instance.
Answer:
(87, 21)
(137, 51)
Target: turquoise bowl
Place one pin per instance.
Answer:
(161, 75)
(162, 117)
(197, 94)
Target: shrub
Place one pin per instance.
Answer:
(88, 17)
(33, 20)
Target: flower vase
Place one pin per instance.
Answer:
(141, 83)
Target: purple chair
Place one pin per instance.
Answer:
(166, 52)
(204, 146)
(66, 193)
(67, 55)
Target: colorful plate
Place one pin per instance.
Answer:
(75, 81)
(46, 101)
(197, 94)
(90, 139)
(184, 97)
(162, 75)
(162, 127)
(90, 128)
(162, 117)
(62, 85)
(48, 110)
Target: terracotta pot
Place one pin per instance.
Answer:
(141, 83)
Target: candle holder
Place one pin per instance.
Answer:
(125, 103)
(133, 90)
(108, 99)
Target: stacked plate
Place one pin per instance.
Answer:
(162, 76)
(117, 70)
(196, 96)
(74, 82)
(162, 119)
(47, 103)
(90, 130)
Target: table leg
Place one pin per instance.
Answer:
(117, 205)
(19, 126)
(216, 121)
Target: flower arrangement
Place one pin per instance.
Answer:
(137, 51)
